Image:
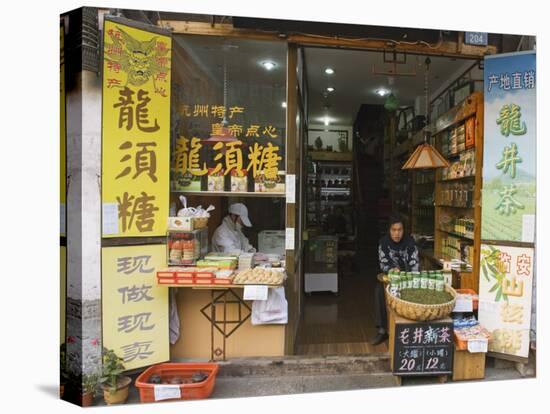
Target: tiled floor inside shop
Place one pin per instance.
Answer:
(341, 324)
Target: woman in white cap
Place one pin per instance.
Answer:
(228, 237)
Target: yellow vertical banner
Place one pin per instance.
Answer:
(134, 308)
(63, 129)
(135, 131)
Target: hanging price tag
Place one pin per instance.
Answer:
(478, 345)
(255, 292)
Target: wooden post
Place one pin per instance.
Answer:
(293, 291)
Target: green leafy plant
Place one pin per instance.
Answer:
(112, 369)
(90, 383)
(491, 268)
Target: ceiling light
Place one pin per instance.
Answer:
(329, 71)
(327, 121)
(330, 89)
(382, 92)
(283, 104)
(269, 65)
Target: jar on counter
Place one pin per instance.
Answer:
(416, 280)
(431, 281)
(403, 280)
(424, 280)
(440, 282)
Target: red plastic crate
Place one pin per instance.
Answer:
(169, 370)
(175, 280)
(204, 275)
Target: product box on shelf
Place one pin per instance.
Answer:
(263, 184)
(180, 223)
(216, 182)
(239, 181)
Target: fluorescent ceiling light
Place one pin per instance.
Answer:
(330, 89)
(269, 65)
(329, 71)
(382, 92)
(327, 121)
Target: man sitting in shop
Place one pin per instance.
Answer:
(228, 237)
(395, 252)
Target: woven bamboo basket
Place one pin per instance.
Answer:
(200, 223)
(420, 312)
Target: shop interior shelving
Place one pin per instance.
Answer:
(329, 186)
(457, 200)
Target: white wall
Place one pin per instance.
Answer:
(329, 138)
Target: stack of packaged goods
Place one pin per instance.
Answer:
(470, 335)
(420, 287)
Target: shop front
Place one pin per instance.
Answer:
(226, 221)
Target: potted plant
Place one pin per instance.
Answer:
(114, 384)
(89, 386)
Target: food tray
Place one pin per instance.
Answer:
(194, 391)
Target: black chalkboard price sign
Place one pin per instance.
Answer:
(424, 348)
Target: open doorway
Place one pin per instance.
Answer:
(363, 107)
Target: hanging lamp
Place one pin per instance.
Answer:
(391, 103)
(425, 155)
(223, 134)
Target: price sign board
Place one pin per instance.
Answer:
(423, 348)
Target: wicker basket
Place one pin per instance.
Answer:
(419, 312)
(200, 223)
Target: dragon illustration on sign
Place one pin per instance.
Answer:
(140, 60)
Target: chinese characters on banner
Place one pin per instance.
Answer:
(236, 157)
(136, 131)
(135, 309)
(509, 154)
(423, 348)
(505, 292)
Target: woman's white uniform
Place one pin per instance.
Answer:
(228, 237)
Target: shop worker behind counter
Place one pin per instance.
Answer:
(395, 252)
(228, 237)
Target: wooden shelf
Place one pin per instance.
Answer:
(452, 233)
(457, 207)
(216, 286)
(230, 194)
(471, 107)
(459, 178)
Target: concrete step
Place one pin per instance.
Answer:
(306, 365)
(232, 387)
(301, 374)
